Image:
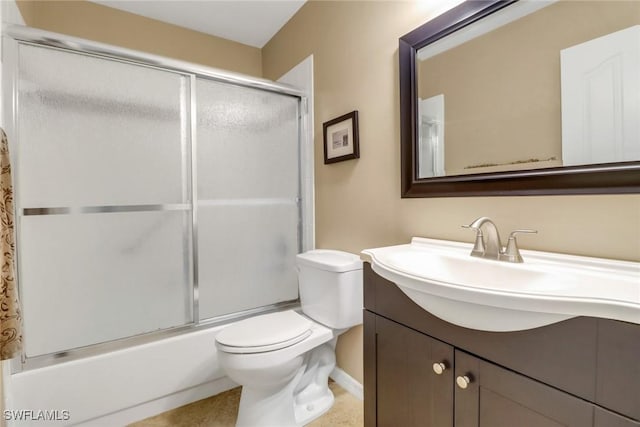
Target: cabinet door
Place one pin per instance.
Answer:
(618, 385)
(409, 391)
(487, 395)
(604, 418)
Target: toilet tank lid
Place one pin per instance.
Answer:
(330, 260)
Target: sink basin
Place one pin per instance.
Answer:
(442, 278)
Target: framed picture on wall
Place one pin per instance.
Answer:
(341, 138)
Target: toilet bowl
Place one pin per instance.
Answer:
(283, 359)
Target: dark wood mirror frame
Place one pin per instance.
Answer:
(609, 178)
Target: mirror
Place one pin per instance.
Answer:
(522, 97)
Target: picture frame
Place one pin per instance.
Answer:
(341, 141)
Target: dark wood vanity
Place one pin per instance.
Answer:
(422, 371)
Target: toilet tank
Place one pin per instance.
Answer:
(330, 284)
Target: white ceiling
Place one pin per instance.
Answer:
(251, 22)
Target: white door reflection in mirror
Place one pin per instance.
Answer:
(431, 139)
(601, 99)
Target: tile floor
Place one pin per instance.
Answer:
(220, 411)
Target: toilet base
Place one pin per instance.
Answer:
(305, 397)
(310, 411)
(259, 410)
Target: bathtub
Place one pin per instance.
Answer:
(119, 387)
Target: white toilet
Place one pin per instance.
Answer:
(283, 359)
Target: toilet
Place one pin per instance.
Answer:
(283, 359)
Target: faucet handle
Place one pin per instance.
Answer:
(512, 252)
(478, 246)
(522, 231)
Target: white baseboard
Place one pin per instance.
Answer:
(166, 403)
(347, 382)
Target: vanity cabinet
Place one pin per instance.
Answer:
(422, 371)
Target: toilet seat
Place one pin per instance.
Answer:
(268, 332)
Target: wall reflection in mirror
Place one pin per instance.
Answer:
(535, 85)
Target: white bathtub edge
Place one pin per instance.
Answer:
(163, 404)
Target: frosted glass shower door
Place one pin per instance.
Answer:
(103, 199)
(248, 198)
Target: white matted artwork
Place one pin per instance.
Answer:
(341, 138)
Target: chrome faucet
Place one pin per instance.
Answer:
(492, 248)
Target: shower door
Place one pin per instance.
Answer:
(248, 198)
(148, 198)
(102, 197)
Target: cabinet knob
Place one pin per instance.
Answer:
(463, 381)
(439, 367)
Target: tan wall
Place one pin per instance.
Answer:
(358, 202)
(95, 22)
(509, 78)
